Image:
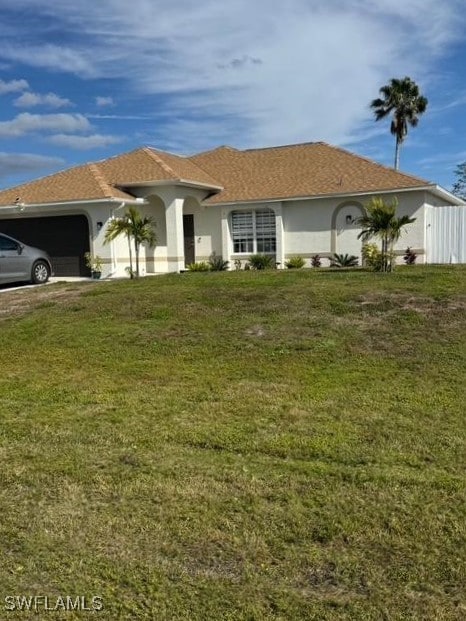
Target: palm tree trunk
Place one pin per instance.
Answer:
(397, 153)
(131, 275)
(384, 254)
(136, 247)
(390, 256)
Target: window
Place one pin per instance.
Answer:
(7, 244)
(253, 231)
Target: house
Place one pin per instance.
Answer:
(292, 200)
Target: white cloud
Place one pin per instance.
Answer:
(121, 117)
(83, 143)
(257, 73)
(27, 123)
(104, 101)
(18, 163)
(13, 86)
(49, 56)
(29, 100)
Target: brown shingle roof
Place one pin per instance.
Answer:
(81, 182)
(146, 164)
(311, 169)
(109, 178)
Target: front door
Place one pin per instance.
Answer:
(188, 227)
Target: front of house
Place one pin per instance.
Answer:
(284, 201)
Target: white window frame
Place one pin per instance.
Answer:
(254, 230)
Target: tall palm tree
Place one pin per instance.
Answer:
(138, 228)
(380, 221)
(403, 99)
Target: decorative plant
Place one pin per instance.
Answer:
(343, 260)
(261, 262)
(296, 262)
(217, 264)
(136, 228)
(316, 261)
(200, 266)
(372, 256)
(94, 263)
(380, 221)
(409, 257)
(237, 264)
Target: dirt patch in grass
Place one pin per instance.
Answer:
(20, 302)
(424, 305)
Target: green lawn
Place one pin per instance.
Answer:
(240, 446)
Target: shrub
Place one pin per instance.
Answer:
(200, 266)
(94, 263)
(372, 257)
(316, 261)
(217, 264)
(343, 260)
(295, 263)
(237, 264)
(261, 262)
(409, 257)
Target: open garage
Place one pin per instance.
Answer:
(65, 238)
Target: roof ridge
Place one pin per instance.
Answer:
(159, 161)
(283, 146)
(165, 151)
(101, 181)
(223, 146)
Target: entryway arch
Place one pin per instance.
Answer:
(345, 231)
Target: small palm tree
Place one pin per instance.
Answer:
(380, 221)
(403, 99)
(136, 228)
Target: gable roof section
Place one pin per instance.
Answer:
(294, 171)
(109, 178)
(147, 164)
(78, 183)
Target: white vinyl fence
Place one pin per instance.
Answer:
(446, 234)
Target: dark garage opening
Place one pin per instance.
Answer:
(65, 238)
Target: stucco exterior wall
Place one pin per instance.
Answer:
(325, 226)
(207, 229)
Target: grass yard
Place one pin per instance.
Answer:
(237, 446)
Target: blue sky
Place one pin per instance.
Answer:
(82, 81)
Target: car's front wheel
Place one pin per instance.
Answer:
(40, 272)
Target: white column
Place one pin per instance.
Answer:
(280, 253)
(227, 247)
(175, 235)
